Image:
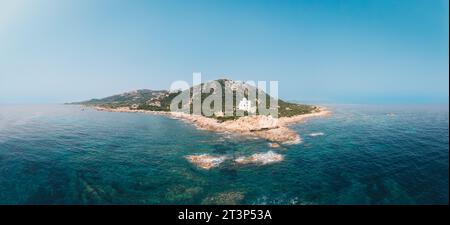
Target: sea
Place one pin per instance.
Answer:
(360, 154)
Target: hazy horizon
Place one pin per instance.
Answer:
(367, 51)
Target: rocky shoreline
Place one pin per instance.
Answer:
(274, 130)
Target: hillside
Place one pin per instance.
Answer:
(151, 100)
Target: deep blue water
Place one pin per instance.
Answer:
(57, 154)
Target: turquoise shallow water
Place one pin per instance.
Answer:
(57, 154)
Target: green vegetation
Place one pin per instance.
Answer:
(160, 101)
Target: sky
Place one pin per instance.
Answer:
(331, 51)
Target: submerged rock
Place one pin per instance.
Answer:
(206, 161)
(180, 193)
(260, 158)
(225, 198)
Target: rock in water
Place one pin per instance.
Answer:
(274, 145)
(206, 161)
(260, 158)
(282, 135)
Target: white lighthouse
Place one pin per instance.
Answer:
(246, 105)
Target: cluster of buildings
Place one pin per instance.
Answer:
(158, 97)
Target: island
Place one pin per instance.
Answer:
(245, 118)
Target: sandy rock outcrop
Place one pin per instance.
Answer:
(251, 123)
(260, 158)
(206, 161)
(274, 145)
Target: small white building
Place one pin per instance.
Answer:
(155, 103)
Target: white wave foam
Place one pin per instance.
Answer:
(316, 134)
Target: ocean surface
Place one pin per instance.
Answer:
(361, 154)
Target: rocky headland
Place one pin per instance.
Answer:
(275, 130)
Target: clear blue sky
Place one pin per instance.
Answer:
(351, 51)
